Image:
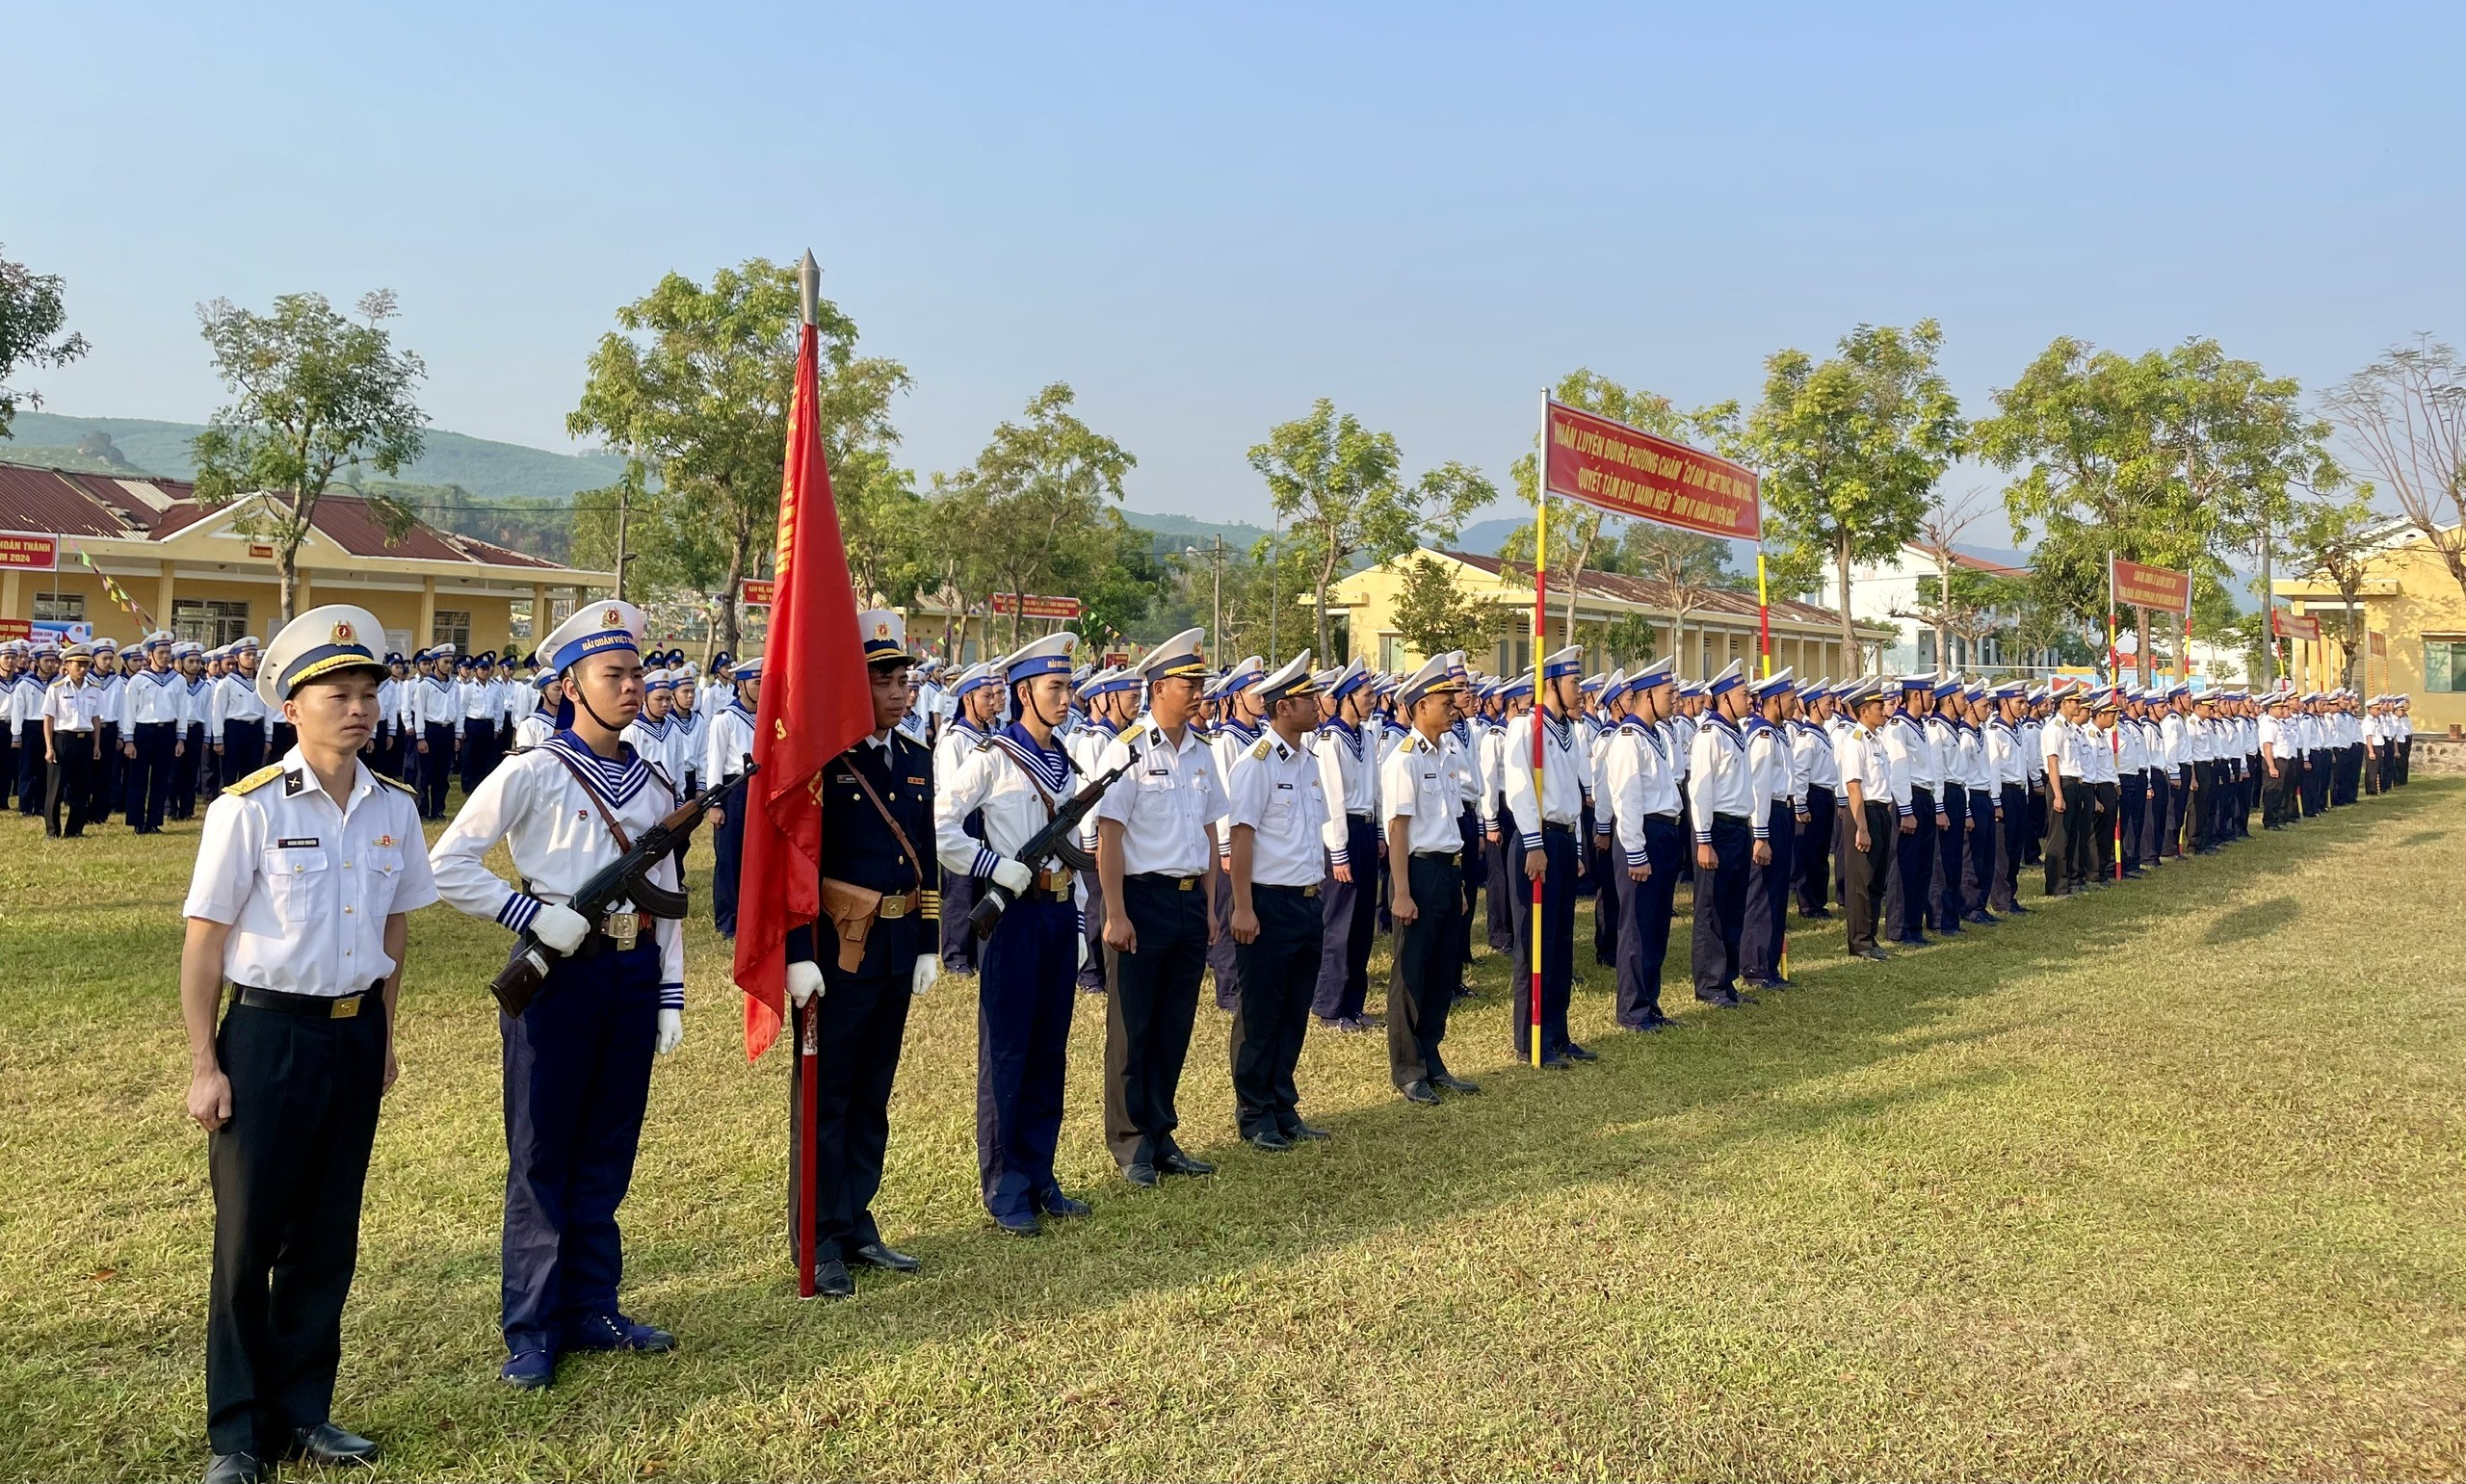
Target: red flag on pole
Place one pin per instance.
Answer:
(815, 705)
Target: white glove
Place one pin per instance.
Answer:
(562, 928)
(928, 967)
(671, 1030)
(804, 981)
(1013, 874)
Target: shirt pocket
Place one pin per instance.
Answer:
(295, 879)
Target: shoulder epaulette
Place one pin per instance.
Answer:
(396, 783)
(257, 780)
(985, 744)
(1260, 751)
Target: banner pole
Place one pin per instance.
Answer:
(1540, 711)
(1763, 613)
(2115, 733)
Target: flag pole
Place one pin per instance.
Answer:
(1540, 711)
(1764, 647)
(2115, 733)
(810, 1018)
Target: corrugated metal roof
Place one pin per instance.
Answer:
(48, 501)
(1653, 594)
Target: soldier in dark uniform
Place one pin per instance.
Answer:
(880, 893)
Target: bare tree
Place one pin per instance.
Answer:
(1689, 568)
(1967, 604)
(2405, 417)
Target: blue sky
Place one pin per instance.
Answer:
(1204, 217)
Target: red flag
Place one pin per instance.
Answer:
(815, 705)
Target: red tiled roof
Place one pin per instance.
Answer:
(58, 502)
(1653, 594)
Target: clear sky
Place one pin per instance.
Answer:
(1204, 217)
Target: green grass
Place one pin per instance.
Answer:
(2161, 1181)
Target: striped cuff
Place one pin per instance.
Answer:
(1225, 850)
(1339, 856)
(1703, 837)
(1532, 841)
(1763, 830)
(1905, 810)
(1637, 858)
(519, 908)
(672, 997)
(982, 868)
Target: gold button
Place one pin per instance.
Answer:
(347, 911)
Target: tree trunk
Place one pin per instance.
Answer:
(1575, 576)
(287, 567)
(1321, 631)
(1849, 634)
(729, 635)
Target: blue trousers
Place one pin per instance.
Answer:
(436, 769)
(1644, 910)
(150, 774)
(2133, 799)
(1721, 909)
(1978, 879)
(728, 848)
(1944, 908)
(577, 1075)
(1913, 871)
(1768, 898)
(1557, 929)
(1348, 912)
(1024, 996)
(32, 779)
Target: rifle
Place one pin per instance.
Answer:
(626, 879)
(1057, 841)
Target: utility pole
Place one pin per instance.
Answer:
(2268, 610)
(623, 490)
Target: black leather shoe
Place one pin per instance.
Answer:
(1872, 955)
(1019, 1224)
(1554, 1062)
(1819, 914)
(1452, 1083)
(1180, 1163)
(1576, 1053)
(1420, 1092)
(831, 1280)
(875, 1255)
(1301, 1132)
(234, 1469)
(1269, 1140)
(1652, 1027)
(327, 1443)
(1052, 1203)
(1140, 1174)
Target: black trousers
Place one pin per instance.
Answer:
(1913, 871)
(1279, 973)
(2131, 802)
(1557, 929)
(1218, 888)
(103, 780)
(187, 771)
(436, 769)
(149, 776)
(1498, 866)
(1600, 863)
(1977, 878)
(1720, 909)
(1863, 871)
(33, 776)
(1476, 874)
(479, 753)
(1349, 912)
(71, 786)
(287, 1173)
(1153, 1002)
(1945, 908)
(1427, 972)
(1766, 923)
(1815, 849)
(2102, 839)
(2198, 806)
(2010, 848)
(2063, 826)
(1092, 932)
(864, 1023)
(1644, 910)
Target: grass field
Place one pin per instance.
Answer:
(2163, 1181)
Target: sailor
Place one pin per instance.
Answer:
(483, 702)
(881, 892)
(22, 706)
(1158, 828)
(1421, 790)
(978, 694)
(1503, 842)
(541, 725)
(2008, 767)
(1732, 812)
(1461, 735)
(154, 736)
(727, 753)
(1912, 754)
(306, 872)
(1349, 781)
(1945, 909)
(72, 743)
(1015, 779)
(1764, 937)
(1549, 855)
(2070, 804)
(436, 712)
(1637, 808)
(1879, 808)
(1819, 776)
(1275, 818)
(1111, 697)
(578, 1060)
(188, 657)
(105, 781)
(1237, 730)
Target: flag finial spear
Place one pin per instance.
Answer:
(810, 275)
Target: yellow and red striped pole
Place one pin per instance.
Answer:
(1540, 711)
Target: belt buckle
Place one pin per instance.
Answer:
(894, 906)
(1186, 883)
(346, 1008)
(625, 928)
(1056, 881)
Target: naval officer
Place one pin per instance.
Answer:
(1275, 814)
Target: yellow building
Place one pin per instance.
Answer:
(1720, 628)
(2411, 602)
(193, 571)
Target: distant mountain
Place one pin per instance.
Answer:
(1175, 533)
(479, 465)
(1484, 537)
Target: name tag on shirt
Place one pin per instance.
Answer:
(308, 843)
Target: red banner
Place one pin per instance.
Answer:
(2153, 587)
(1628, 472)
(2286, 625)
(2379, 646)
(1031, 605)
(756, 592)
(28, 553)
(17, 628)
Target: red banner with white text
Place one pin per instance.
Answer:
(1628, 472)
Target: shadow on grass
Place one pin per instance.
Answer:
(2255, 920)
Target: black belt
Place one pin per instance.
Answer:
(1365, 818)
(1294, 890)
(1165, 879)
(1452, 857)
(1738, 817)
(1548, 826)
(321, 1007)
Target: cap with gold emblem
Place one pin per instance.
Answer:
(596, 628)
(885, 636)
(319, 643)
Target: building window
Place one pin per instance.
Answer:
(59, 607)
(1387, 651)
(2444, 665)
(208, 622)
(1925, 649)
(453, 627)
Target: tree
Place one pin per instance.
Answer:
(1960, 601)
(1040, 489)
(2405, 417)
(1851, 447)
(32, 315)
(315, 391)
(1336, 483)
(1434, 614)
(1127, 585)
(694, 385)
(1689, 568)
(2338, 540)
(1630, 638)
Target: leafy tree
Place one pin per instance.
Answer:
(1337, 486)
(1851, 447)
(2405, 417)
(1690, 567)
(1127, 586)
(1436, 614)
(2338, 540)
(1040, 489)
(314, 391)
(882, 524)
(693, 386)
(32, 315)
(1630, 638)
